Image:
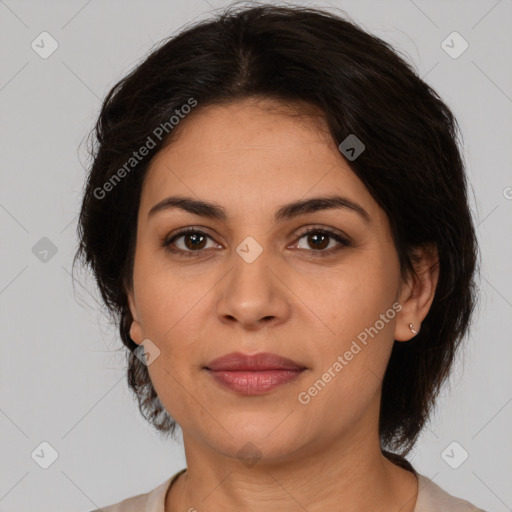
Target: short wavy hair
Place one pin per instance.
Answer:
(412, 166)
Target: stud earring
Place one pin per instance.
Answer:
(412, 329)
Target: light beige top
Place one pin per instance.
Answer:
(431, 498)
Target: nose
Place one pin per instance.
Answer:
(253, 294)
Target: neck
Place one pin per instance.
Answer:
(357, 476)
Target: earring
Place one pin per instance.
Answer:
(412, 329)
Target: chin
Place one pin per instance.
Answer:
(259, 444)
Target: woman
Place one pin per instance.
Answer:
(277, 217)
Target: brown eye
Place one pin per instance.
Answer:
(319, 239)
(194, 242)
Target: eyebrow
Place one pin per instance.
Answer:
(285, 212)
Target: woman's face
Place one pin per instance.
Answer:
(250, 283)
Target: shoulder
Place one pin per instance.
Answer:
(151, 501)
(431, 498)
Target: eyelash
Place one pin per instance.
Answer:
(345, 242)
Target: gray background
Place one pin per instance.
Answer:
(62, 376)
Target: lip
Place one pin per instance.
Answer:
(236, 361)
(254, 382)
(253, 374)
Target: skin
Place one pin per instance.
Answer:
(251, 157)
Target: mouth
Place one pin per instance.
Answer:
(254, 374)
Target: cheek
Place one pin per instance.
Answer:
(165, 299)
(351, 299)
(173, 390)
(174, 374)
(358, 327)
(169, 309)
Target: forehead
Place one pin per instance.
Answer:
(250, 154)
(262, 125)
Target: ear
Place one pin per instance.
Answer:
(417, 292)
(135, 328)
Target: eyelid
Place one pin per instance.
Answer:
(343, 239)
(298, 232)
(186, 230)
(168, 240)
(303, 230)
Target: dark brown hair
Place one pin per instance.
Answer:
(411, 165)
